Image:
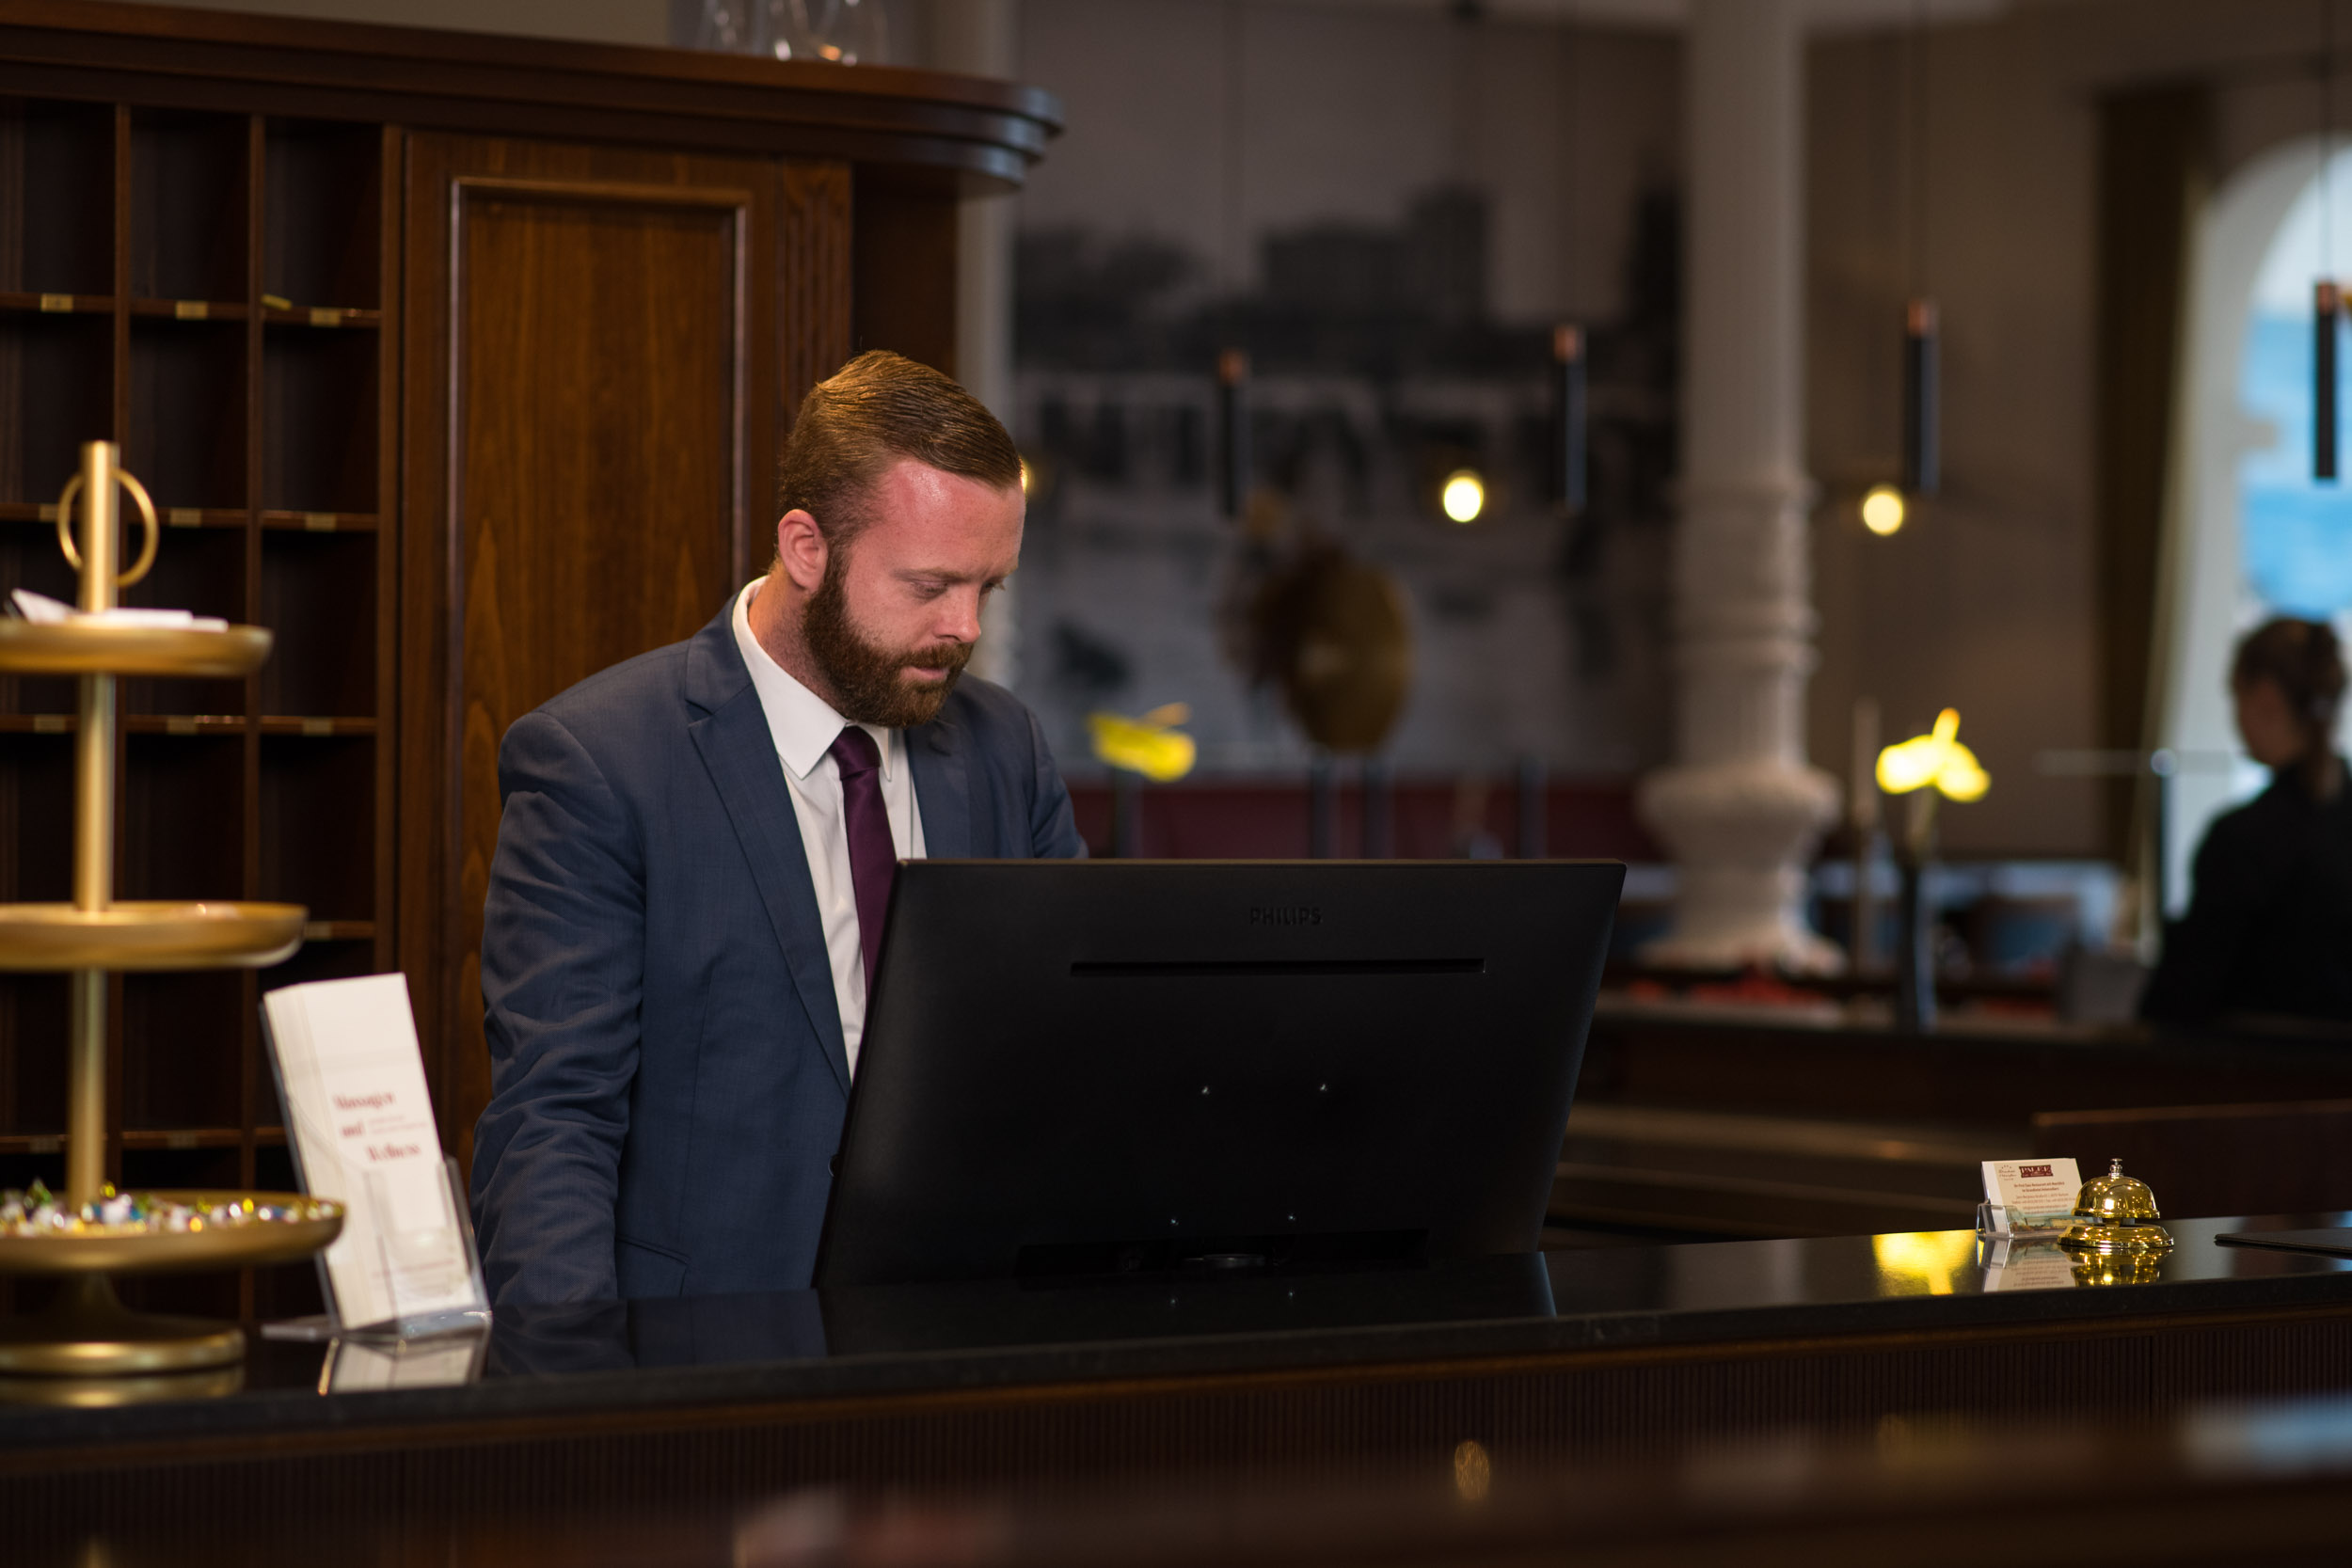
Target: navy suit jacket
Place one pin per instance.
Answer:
(668, 1079)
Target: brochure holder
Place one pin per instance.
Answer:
(411, 1265)
(418, 1266)
(1996, 1220)
(359, 1123)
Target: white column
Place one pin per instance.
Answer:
(1740, 809)
(981, 37)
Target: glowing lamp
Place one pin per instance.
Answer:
(1884, 510)
(1151, 745)
(1935, 758)
(1464, 496)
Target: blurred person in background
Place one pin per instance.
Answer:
(2269, 931)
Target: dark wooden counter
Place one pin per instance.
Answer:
(1616, 1354)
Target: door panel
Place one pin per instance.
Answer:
(598, 475)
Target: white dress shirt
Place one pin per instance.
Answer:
(804, 727)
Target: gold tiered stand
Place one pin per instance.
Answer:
(87, 1333)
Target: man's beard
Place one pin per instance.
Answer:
(864, 676)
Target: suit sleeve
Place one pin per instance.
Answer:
(1053, 826)
(563, 975)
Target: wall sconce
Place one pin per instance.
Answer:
(1463, 496)
(1884, 510)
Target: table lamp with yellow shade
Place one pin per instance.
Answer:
(1150, 746)
(1927, 767)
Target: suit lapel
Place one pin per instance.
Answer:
(736, 746)
(943, 787)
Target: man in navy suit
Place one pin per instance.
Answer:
(696, 851)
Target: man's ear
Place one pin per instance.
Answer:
(802, 549)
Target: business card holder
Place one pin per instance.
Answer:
(1999, 1220)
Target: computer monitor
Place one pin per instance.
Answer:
(1076, 1069)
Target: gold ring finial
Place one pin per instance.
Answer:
(140, 567)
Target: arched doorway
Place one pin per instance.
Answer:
(2251, 534)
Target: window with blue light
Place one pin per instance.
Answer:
(2295, 533)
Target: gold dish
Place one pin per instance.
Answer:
(212, 934)
(86, 1333)
(74, 1390)
(215, 1246)
(83, 648)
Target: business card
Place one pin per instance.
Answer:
(2030, 1194)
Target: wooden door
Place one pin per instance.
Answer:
(593, 363)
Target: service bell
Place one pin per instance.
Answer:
(2115, 1215)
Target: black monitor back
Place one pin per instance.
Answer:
(1083, 1067)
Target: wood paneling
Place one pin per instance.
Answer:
(906, 276)
(611, 471)
(813, 289)
(585, 434)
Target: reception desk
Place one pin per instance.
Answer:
(1615, 1354)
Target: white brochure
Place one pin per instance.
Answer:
(2030, 1194)
(361, 1128)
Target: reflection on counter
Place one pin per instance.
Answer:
(95, 1393)
(835, 1324)
(1558, 1303)
(441, 1361)
(2011, 1264)
(1922, 1262)
(2120, 1269)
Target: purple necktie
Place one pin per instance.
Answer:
(873, 859)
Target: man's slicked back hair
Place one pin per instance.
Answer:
(876, 410)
